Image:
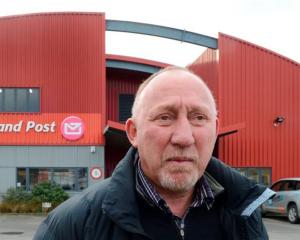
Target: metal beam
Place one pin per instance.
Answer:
(161, 31)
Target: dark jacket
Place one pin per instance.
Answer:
(108, 210)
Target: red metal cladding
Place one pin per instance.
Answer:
(61, 53)
(255, 87)
(206, 66)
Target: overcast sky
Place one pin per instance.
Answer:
(273, 24)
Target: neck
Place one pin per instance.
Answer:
(178, 202)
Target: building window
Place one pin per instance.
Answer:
(259, 175)
(125, 105)
(39, 175)
(21, 177)
(19, 99)
(70, 179)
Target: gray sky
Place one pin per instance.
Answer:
(272, 24)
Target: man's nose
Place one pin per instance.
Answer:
(182, 135)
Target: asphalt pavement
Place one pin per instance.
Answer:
(23, 227)
(280, 229)
(18, 227)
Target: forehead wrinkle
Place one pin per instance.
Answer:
(177, 105)
(203, 108)
(165, 107)
(149, 89)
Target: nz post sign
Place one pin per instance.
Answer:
(50, 129)
(72, 128)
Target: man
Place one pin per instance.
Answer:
(168, 186)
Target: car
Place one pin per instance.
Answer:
(286, 202)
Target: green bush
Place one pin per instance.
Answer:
(16, 195)
(20, 201)
(47, 192)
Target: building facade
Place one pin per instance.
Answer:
(52, 100)
(63, 102)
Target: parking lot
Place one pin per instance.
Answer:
(18, 227)
(279, 229)
(22, 227)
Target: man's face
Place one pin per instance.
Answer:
(175, 130)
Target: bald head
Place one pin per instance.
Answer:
(162, 75)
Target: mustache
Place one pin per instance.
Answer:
(189, 155)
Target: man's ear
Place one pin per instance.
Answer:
(131, 131)
(217, 126)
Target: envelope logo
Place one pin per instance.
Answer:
(72, 128)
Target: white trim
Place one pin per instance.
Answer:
(256, 203)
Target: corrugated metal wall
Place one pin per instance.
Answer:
(120, 81)
(256, 86)
(206, 66)
(63, 54)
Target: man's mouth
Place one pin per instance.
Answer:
(180, 160)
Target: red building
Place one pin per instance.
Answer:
(63, 100)
(257, 93)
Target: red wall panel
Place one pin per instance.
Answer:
(63, 54)
(255, 86)
(206, 66)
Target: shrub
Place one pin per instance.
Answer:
(33, 206)
(16, 195)
(20, 201)
(47, 192)
(5, 207)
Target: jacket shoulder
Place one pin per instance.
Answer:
(68, 220)
(239, 190)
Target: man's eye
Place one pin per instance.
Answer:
(198, 119)
(164, 117)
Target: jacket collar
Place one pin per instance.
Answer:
(120, 202)
(215, 186)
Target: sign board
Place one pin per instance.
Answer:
(96, 173)
(51, 129)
